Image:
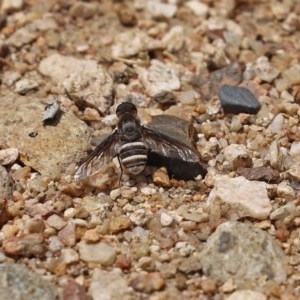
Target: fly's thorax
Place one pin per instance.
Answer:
(130, 128)
(133, 157)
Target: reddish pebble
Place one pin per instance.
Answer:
(67, 235)
(209, 286)
(74, 291)
(148, 283)
(123, 262)
(31, 245)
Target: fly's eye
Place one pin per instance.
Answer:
(124, 108)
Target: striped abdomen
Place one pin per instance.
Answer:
(133, 157)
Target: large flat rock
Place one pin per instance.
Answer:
(48, 149)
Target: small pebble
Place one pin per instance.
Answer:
(160, 9)
(110, 120)
(35, 225)
(119, 223)
(3, 257)
(91, 114)
(295, 149)
(55, 244)
(174, 38)
(51, 110)
(238, 100)
(165, 98)
(148, 283)
(10, 77)
(97, 253)
(166, 219)
(128, 193)
(276, 124)
(264, 70)
(247, 294)
(159, 77)
(114, 194)
(70, 212)
(188, 97)
(235, 124)
(228, 286)
(282, 84)
(184, 248)
(22, 37)
(266, 174)
(147, 191)
(74, 291)
(91, 236)
(198, 8)
(275, 155)
(287, 96)
(38, 209)
(108, 285)
(127, 17)
(238, 198)
(294, 172)
(9, 6)
(56, 222)
(83, 10)
(286, 190)
(25, 85)
(194, 216)
(236, 156)
(69, 256)
(123, 262)
(10, 230)
(282, 212)
(190, 265)
(209, 286)
(161, 177)
(67, 235)
(82, 48)
(25, 246)
(138, 217)
(292, 75)
(8, 156)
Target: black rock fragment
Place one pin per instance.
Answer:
(237, 100)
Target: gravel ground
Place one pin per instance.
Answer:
(232, 68)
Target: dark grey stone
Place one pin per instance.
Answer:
(237, 100)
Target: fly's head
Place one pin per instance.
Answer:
(126, 108)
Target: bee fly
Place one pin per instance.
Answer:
(137, 146)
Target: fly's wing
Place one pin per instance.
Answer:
(169, 147)
(179, 156)
(101, 155)
(175, 138)
(178, 129)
